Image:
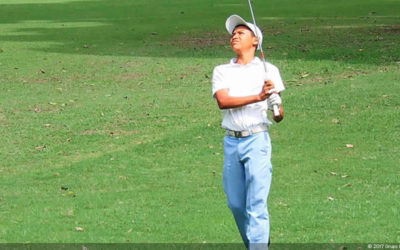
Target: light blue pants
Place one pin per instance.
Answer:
(247, 180)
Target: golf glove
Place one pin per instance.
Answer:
(274, 99)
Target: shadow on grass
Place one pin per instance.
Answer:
(102, 27)
(190, 29)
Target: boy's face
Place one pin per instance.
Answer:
(243, 39)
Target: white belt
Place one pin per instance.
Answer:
(246, 133)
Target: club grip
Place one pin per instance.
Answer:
(276, 110)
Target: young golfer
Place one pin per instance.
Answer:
(245, 93)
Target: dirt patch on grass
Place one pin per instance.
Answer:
(109, 132)
(26, 79)
(305, 79)
(210, 39)
(131, 76)
(392, 29)
(3, 119)
(204, 40)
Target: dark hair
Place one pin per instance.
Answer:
(243, 25)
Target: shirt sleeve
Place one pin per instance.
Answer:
(277, 80)
(218, 81)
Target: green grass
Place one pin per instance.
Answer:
(107, 121)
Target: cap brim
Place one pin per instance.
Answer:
(233, 21)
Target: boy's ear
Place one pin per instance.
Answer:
(255, 41)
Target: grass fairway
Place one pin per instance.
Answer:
(109, 132)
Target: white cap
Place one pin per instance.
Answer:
(233, 21)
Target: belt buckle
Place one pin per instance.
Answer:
(238, 134)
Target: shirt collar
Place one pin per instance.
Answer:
(256, 60)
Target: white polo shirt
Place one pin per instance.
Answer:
(245, 80)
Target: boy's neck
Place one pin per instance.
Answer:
(245, 58)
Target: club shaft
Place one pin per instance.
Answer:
(275, 107)
(259, 45)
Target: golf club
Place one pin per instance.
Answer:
(275, 107)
